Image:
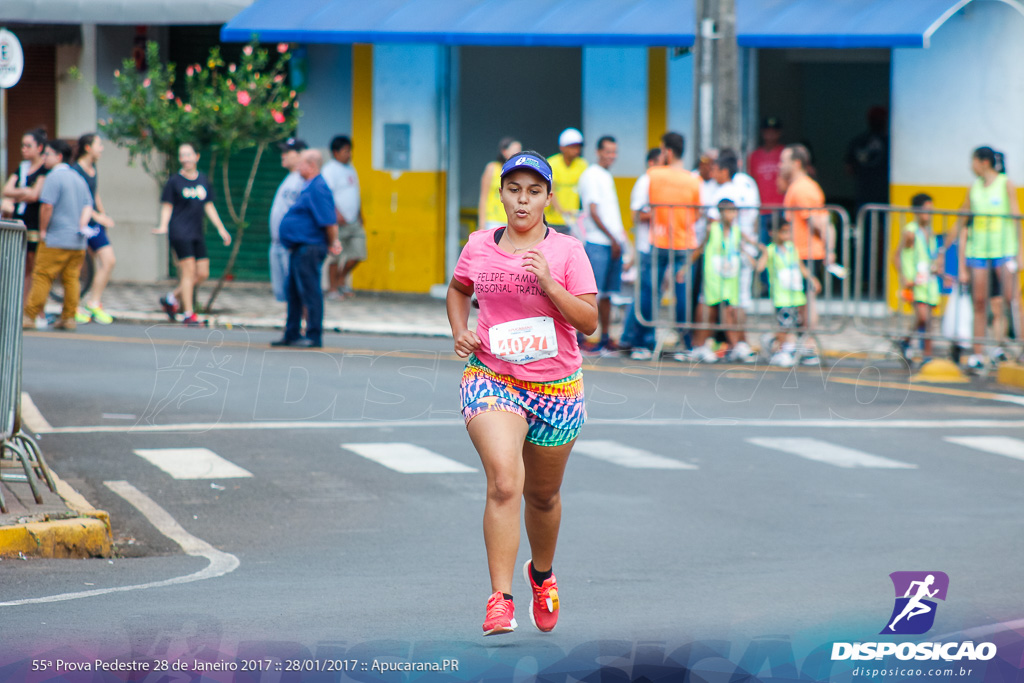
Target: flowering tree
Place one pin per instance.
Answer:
(227, 108)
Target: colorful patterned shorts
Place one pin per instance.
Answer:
(554, 411)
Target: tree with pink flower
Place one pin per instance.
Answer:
(225, 108)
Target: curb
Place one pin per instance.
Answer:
(1011, 375)
(87, 535)
(338, 326)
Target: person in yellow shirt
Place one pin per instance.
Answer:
(566, 167)
(490, 211)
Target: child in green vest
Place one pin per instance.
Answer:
(786, 277)
(917, 263)
(720, 288)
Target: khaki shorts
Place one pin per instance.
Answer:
(353, 243)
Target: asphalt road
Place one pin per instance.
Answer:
(734, 506)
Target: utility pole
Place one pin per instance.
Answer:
(727, 87)
(716, 77)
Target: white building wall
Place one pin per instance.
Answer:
(963, 92)
(130, 196)
(615, 103)
(680, 101)
(327, 100)
(407, 88)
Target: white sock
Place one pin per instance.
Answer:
(171, 299)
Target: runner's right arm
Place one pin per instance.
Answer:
(457, 304)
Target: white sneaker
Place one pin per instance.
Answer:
(810, 358)
(782, 359)
(703, 354)
(976, 362)
(742, 353)
(641, 353)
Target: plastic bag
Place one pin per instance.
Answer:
(958, 320)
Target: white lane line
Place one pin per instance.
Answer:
(31, 416)
(627, 456)
(192, 463)
(1000, 445)
(829, 453)
(419, 424)
(407, 458)
(221, 563)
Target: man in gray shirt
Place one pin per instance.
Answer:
(65, 206)
(287, 192)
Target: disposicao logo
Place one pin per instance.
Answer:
(916, 592)
(914, 614)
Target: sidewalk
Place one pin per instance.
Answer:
(252, 305)
(64, 525)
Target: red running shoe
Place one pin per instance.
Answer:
(544, 610)
(192, 321)
(501, 615)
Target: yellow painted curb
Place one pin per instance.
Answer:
(940, 371)
(65, 538)
(1011, 374)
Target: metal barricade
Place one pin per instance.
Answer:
(15, 443)
(830, 308)
(882, 307)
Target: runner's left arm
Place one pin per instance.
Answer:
(579, 311)
(211, 213)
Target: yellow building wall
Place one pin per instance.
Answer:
(403, 212)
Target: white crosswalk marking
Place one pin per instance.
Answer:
(192, 463)
(831, 454)
(627, 456)
(407, 458)
(1000, 445)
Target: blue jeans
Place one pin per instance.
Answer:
(632, 331)
(279, 270)
(607, 270)
(304, 264)
(646, 338)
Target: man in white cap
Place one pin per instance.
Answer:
(566, 167)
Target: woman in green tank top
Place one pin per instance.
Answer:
(991, 243)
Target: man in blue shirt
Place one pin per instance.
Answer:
(308, 231)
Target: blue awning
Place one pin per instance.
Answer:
(841, 23)
(468, 22)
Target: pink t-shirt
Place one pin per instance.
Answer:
(507, 292)
(764, 167)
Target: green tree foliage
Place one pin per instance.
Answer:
(222, 107)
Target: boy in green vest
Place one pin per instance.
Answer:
(786, 277)
(720, 288)
(917, 263)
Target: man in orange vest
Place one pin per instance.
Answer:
(673, 194)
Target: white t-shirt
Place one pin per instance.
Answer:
(742, 190)
(638, 201)
(596, 186)
(344, 184)
(287, 192)
(708, 188)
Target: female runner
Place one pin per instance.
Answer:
(522, 389)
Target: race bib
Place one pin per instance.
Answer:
(727, 267)
(524, 341)
(790, 279)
